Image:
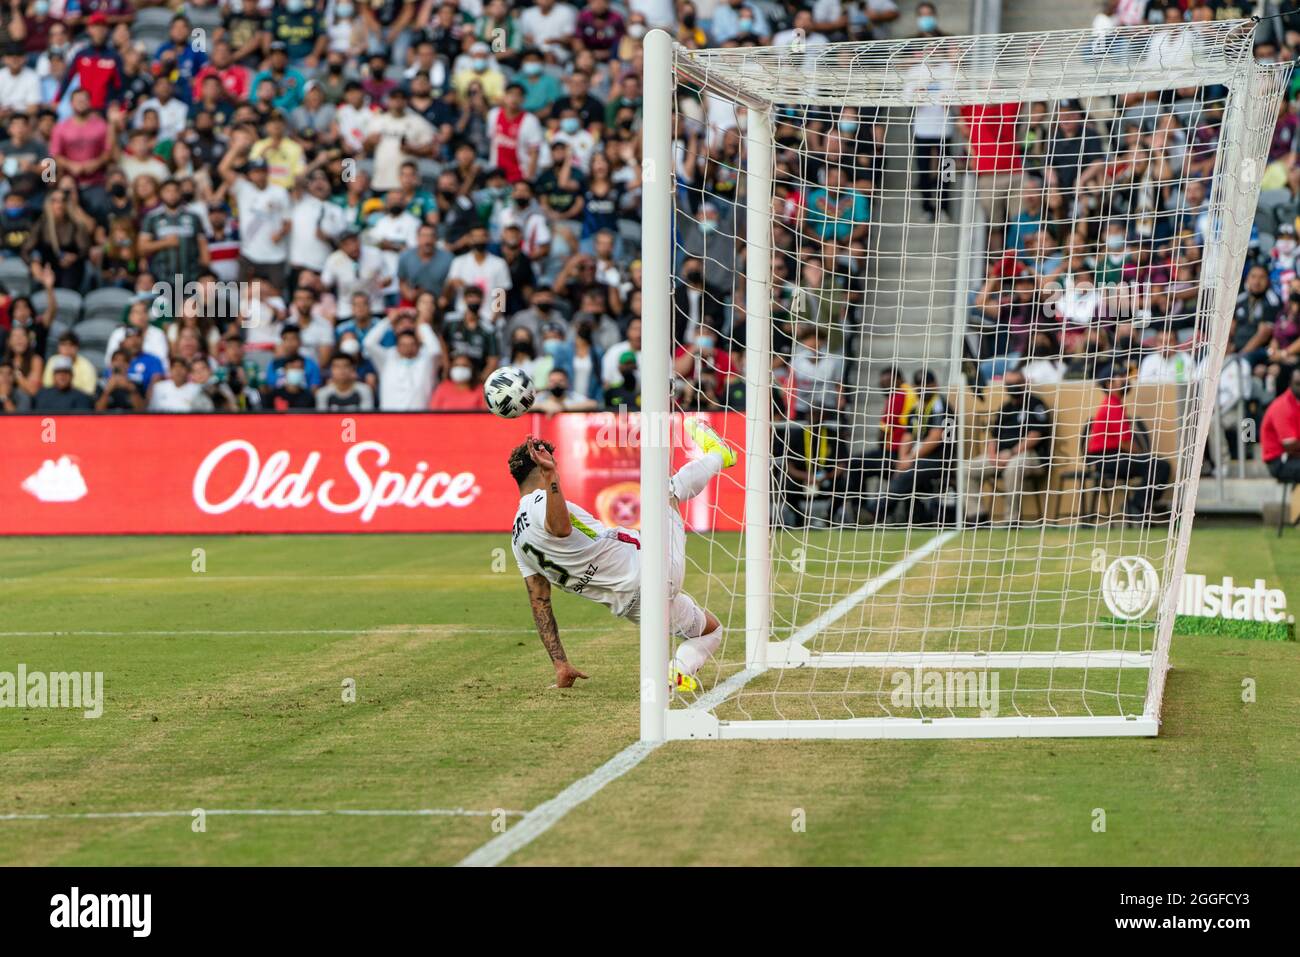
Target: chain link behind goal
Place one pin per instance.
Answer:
(972, 296)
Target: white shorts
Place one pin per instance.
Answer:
(685, 617)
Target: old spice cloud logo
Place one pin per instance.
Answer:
(272, 483)
(56, 481)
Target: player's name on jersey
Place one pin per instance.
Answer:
(1229, 600)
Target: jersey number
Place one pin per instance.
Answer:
(562, 576)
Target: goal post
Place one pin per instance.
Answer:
(931, 339)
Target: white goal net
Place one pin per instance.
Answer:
(963, 303)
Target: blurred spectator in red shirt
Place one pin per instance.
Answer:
(1122, 453)
(1279, 435)
(991, 133)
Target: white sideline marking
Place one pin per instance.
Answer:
(128, 580)
(541, 818)
(393, 630)
(262, 812)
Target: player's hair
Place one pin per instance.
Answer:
(521, 463)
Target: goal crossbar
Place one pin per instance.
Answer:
(983, 69)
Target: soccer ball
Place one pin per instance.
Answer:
(509, 392)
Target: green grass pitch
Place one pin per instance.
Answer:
(225, 691)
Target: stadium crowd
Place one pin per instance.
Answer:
(1099, 232)
(419, 191)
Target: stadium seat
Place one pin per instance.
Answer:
(1270, 199)
(57, 328)
(16, 277)
(69, 305)
(777, 17)
(630, 232)
(151, 39)
(1266, 214)
(109, 303)
(151, 19)
(429, 172)
(262, 358)
(94, 334)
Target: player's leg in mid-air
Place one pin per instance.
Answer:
(700, 628)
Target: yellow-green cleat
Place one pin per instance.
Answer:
(709, 441)
(682, 682)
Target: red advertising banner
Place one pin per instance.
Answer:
(174, 474)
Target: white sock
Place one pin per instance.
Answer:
(693, 652)
(690, 479)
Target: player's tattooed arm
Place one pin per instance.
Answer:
(539, 597)
(558, 522)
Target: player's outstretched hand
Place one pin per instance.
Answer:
(540, 452)
(566, 674)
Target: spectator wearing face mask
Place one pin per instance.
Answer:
(587, 361)
(630, 46)
(1282, 258)
(293, 392)
(736, 20)
(627, 392)
(350, 344)
(560, 396)
(478, 69)
(290, 348)
(579, 140)
(541, 88)
(927, 21)
(393, 234)
(479, 269)
(460, 391)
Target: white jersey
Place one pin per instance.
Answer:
(600, 563)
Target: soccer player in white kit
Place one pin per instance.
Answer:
(558, 543)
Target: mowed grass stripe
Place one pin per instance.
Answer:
(1212, 789)
(462, 717)
(466, 720)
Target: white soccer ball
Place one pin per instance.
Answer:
(509, 392)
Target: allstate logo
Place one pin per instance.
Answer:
(1130, 587)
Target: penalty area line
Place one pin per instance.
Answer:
(540, 819)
